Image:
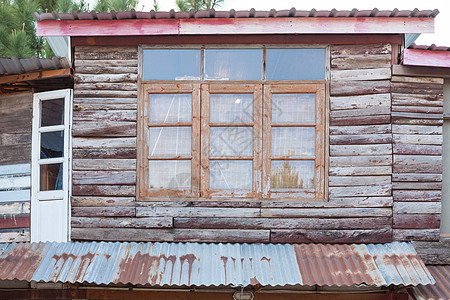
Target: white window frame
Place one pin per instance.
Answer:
(57, 195)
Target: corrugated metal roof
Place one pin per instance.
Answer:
(194, 264)
(433, 47)
(252, 13)
(438, 291)
(14, 65)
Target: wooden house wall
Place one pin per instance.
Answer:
(15, 162)
(417, 123)
(360, 140)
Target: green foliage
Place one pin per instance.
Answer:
(117, 5)
(186, 5)
(18, 26)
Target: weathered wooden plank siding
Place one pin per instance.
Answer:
(360, 205)
(15, 173)
(15, 196)
(417, 108)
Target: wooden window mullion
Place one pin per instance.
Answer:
(195, 141)
(267, 140)
(204, 137)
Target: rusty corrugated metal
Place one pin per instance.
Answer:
(14, 65)
(431, 47)
(438, 291)
(252, 13)
(194, 264)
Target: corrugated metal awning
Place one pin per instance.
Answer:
(14, 65)
(438, 291)
(194, 264)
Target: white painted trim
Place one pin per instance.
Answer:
(36, 196)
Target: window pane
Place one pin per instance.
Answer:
(293, 141)
(292, 175)
(52, 112)
(170, 174)
(295, 64)
(233, 64)
(293, 108)
(231, 141)
(231, 108)
(171, 64)
(170, 108)
(230, 174)
(52, 144)
(169, 141)
(51, 177)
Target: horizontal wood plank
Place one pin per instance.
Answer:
(353, 150)
(197, 212)
(325, 213)
(104, 177)
(360, 102)
(114, 222)
(110, 164)
(103, 190)
(416, 221)
(86, 201)
(415, 234)
(360, 161)
(417, 208)
(171, 235)
(331, 236)
(103, 211)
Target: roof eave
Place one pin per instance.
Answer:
(210, 26)
(426, 58)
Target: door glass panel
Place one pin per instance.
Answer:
(293, 108)
(170, 174)
(295, 64)
(292, 174)
(171, 64)
(52, 112)
(230, 174)
(293, 141)
(231, 108)
(233, 64)
(169, 141)
(51, 177)
(231, 141)
(52, 144)
(170, 108)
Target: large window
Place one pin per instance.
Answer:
(217, 127)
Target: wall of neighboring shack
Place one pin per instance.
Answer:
(378, 172)
(15, 161)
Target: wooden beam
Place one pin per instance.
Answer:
(211, 26)
(38, 75)
(335, 39)
(401, 70)
(427, 58)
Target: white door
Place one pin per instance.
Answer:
(50, 168)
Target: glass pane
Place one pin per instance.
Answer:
(293, 141)
(169, 141)
(230, 174)
(292, 175)
(170, 108)
(231, 108)
(52, 112)
(295, 64)
(231, 141)
(293, 108)
(51, 177)
(233, 64)
(52, 144)
(170, 174)
(171, 64)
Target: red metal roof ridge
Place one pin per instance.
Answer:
(252, 13)
(431, 47)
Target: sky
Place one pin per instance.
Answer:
(441, 36)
